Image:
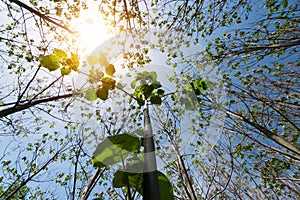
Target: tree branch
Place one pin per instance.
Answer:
(91, 184)
(44, 17)
(266, 132)
(258, 48)
(20, 107)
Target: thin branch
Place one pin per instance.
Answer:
(44, 17)
(23, 183)
(228, 181)
(259, 48)
(46, 88)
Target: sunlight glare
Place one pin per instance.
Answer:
(90, 29)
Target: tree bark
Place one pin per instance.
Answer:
(150, 175)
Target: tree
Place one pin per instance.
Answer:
(254, 46)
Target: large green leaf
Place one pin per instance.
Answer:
(135, 180)
(165, 187)
(114, 148)
(119, 179)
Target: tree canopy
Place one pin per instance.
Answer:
(57, 132)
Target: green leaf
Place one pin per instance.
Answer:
(153, 74)
(119, 179)
(108, 83)
(75, 62)
(133, 84)
(165, 187)
(114, 148)
(147, 90)
(156, 85)
(155, 100)
(65, 70)
(91, 94)
(60, 53)
(135, 180)
(199, 85)
(102, 93)
(51, 62)
(160, 92)
(110, 70)
(141, 102)
(135, 166)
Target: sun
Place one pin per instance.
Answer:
(90, 29)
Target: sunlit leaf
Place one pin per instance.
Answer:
(65, 70)
(110, 70)
(114, 148)
(75, 62)
(51, 62)
(60, 53)
(133, 84)
(91, 94)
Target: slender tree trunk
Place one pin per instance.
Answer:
(150, 177)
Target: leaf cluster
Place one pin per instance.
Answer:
(59, 59)
(101, 81)
(148, 88)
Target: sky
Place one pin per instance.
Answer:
(94, 36)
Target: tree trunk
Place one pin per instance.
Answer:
(150, 177)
